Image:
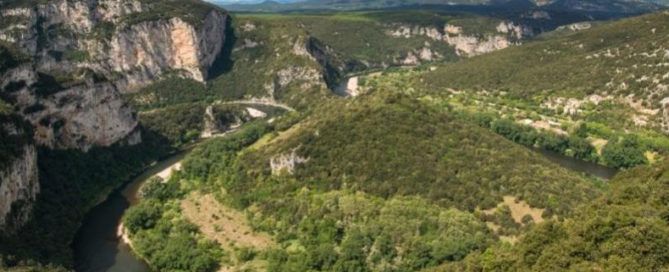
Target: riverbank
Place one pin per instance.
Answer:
(102, 244)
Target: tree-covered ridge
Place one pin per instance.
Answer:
(362, 37)
(269, 59)
(291, 58)
(386, 145)
(623, 230)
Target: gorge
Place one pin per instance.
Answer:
(431, 138)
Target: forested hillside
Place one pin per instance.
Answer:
(623, 230)
(622, 58)
(330, 189)
(596, 94)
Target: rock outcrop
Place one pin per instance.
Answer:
(285, 163)
(467, 44)
(67, 63)
(19, 182)
(156, 47)
(84, 54)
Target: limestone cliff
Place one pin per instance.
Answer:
(65, 65)
(504, 35)
(18, 173)
(83, 55)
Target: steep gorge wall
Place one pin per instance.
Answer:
(85, 54)
(19, 182)
(74, 61)
(19, 186)
(157, 47)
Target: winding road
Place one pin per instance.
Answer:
(265, 102)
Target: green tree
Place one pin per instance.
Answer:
(581, 131)
(624, 153)
(143, 216)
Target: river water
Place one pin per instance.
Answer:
(97, 247)
(580, 166)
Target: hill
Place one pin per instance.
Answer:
(615, 6)
(624, 230)
(601, 82)
(620, 58)
(337, 208)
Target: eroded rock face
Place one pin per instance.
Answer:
(149, 49)
(19, 184)
(472, 46)
(665, 114)
(86, 53)
(465, 44)
(285, 163)
(77, 59)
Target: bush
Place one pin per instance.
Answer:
(624, 153)
(180, 124)
(246, 254)
(143, 216)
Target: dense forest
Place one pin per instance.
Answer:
(623, 230)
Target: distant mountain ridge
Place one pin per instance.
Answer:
(627, 6)
(353, 4)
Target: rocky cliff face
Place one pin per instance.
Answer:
(84, 54)
(466, 44)
(18, 174)
(70, 62)
(157, 47)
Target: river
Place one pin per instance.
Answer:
(580, 166)
(97, 247)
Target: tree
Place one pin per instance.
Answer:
(143, 216)
(624, 153)
(581, 131)
(581, 149)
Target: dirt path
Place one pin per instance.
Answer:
(255, 101)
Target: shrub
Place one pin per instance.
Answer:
(143, 216)
(624, 153)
